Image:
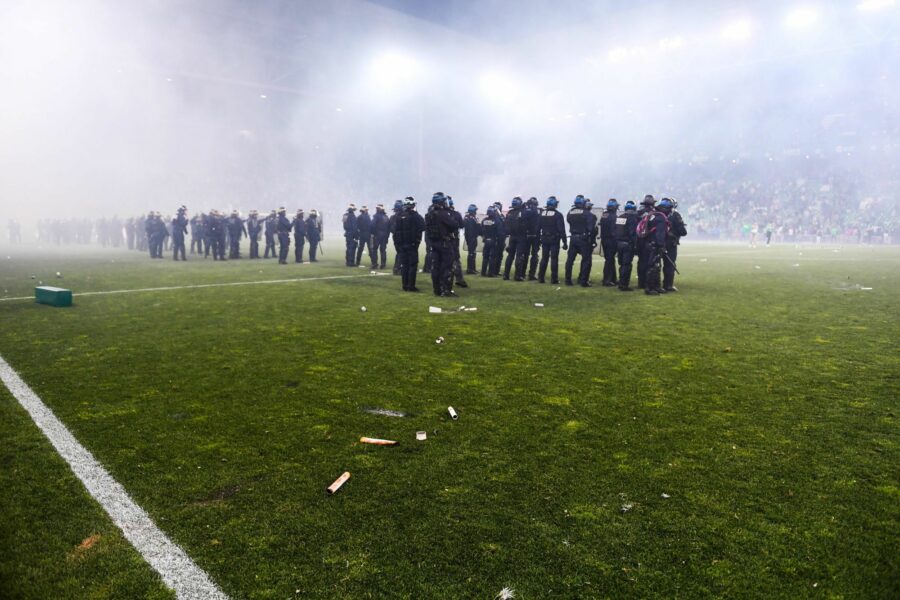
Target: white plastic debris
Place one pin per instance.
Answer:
(557, 289)
(471, 309)
(434, 309)
(58, 274)
(453, 414)
(865, 288)
(362, 309)
(703, 260)
(440, 340)
(665, 496)
(626, 507)
(539, 305)
(505, 594)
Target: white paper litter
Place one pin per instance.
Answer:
(664, 496)
(440, 340)
(506, 594)
(626, 507)
(362, 309)
(538, 305)
(471, 309)
(434, 309)
(865, 288)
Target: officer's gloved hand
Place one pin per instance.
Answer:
(565, 246)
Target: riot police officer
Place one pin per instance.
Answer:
(363, 234)
(516, 251)
(471, 230)
(284, 236)
(655, 248)
(196, 234)
(580, 229)
(351, 235)
(490, 233)
(236, 230)
(398, 210)
(440, 225)
(532, 216)
(608, 242)
(313, 234)
(179, 229)
(647, 205)
(380, 235)
(254, 226)
(625, 232)
(299, 227)
(552, 232)
(502, 233)
(676, 231)
(407, 228)
(457, 262)
(271, 227)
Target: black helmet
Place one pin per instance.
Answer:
(648, 200)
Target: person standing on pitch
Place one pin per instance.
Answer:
(579, 238)
(363, 234)
(271, 227)
(516, 251)
(392, 227)
(532, 216)
(439, 226)
(643, 251)
(407, 229)
(457, 261)
(299, 227)
(253, 228)
(657, 228)
(350, 235)
(313, 234)
(236, 230)
(471, 230)
(284, 236)
(608, 242)
(625, 231)
(552, 232)
(500, 246)
(380, 234)
(196, 234)
(490, 227)
(675, 232)
(179, 229)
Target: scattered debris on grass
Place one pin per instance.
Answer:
(795, 265)
(339, 482)
(505, 594)
(88, 542)
(626, 507)
(434, 309)
(704, 260)
(539, 305)
(421, 436)
(756, 267)
(377, 441)
(362, 309)
(665, 496)
(453, 414)
(384, 412)
(58, 275)
(440, 340)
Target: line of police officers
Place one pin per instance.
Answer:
(525, 232)
(214, 232)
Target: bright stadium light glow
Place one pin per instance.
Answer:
(671, 43)
(874, 5)
(802, 17)
(498, 87)
(739, 30)
(617, 54)
(393, 69)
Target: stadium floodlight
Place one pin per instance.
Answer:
(802, 17)
(874, 5)
(498, 87)
(393, 69)
(668, 44)
(739, 30)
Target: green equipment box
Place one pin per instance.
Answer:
(53, 296)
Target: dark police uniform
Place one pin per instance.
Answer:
(350, 236)
(517, 251)
(677, 230)
(284, 237)
(179, 229)
(581, 225)
(471, 230)
(313, 234)
(363, 234)
(532, 217)
(254, 227)
(380, 235)
(236, 230)
(553, 231)
(407, 229)
(490, 233)
(440, 225)
(299, 226)
(625, 232)
(196, 234)
(609, 245)
(655, 246)
(270, 227)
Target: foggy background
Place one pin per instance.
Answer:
(124, 107)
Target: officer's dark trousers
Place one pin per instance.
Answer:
(441, 266)
(549, 255)
(472, 245)
(426, 268)
(643, 260)
(626, 257)
(198, 243)
(365, 243)
(579, 246)
(178, 247)
(299, 243)
(409, 264)
(651, 276)
(254, 246)
(379, 251)
(270, 245)
(235, 249)
(668, 268)
(609, 261)
(220, 244)
(284, 245)
(350, 255)
(396, 269)
(498, 256)
(487, 257)
(207, 245)
(515, 253)
(534, 248)
(313, 248)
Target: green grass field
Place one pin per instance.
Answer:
(749, 422)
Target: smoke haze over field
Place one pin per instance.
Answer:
(124, 107)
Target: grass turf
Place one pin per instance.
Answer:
(761, 401)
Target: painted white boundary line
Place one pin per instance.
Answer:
(204, 285)
(178, 571)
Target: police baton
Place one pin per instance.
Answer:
(671, 262)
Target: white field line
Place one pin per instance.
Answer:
(203, 285)
(178, 571)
